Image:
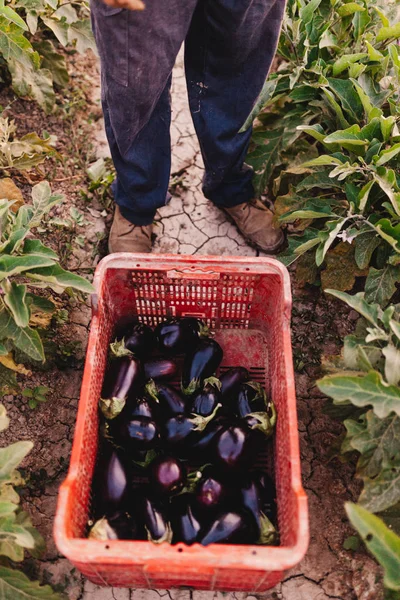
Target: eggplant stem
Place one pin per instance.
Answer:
(204, 330)
(260, 391)
(150, 456)
(214, 381)
(102, 531)
(151, 390)
(202, 422)
(111, 407)
(119, 350)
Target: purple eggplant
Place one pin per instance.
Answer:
(203, 442)
(110, 484)
(126, 376)
(229, 527)
(159, 368)
(185, 525)
(251, 398)
(137, 434)
(199, 364)
(267, 489)
(176, 336)
(206, 399)
(137, 339)
(211, 492)
(251, 500)
(167, 475)
(231, 381)
(170, 401)
(180, 431)
(235, 448)
(152, 514)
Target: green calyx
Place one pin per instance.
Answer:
(265, 423)
(204, 330)
(151, 390)
(150, 456)
(268, 533)
(167, 537)
(111, 407)
(261, 394)
(119, 350)
(102, 531)
(191, 388)
(214, 382)
(202, 422)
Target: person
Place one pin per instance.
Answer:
(229, 48)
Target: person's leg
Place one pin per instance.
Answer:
(229, 50)
(137, 51)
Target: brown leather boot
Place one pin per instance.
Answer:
(255, 223)
(127, 237)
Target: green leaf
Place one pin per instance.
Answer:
(38, 249)
(4, 420)
(392, 364)
(265, 157)
(66, 11)
(297, 245)
(349, 9)
(12, 456)
(330, 97)
(387, 187)
(53, 61)
(364, 194)
(33, 83)
(373, 53)
(380, 541)
(320, 180)
(40, 303)
(15, 299)
(368, 311)
(322, 161)
(81, 33)
(25, 339)
(352, 542)
(265, 95)
(345, 61)
(14, 585)
(307, 12)
(387, 155)
(43, 200)
(58, 277)
(385, 33)
(8, 13)
(327, 238)
(381, 284)
(347, 95)
(365, 245)
(368, 390)
(389, 233)
(59, 28)
(384, 20)
(13, 265)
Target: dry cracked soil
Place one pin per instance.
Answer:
(189, 224)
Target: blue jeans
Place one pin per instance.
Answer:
(229, 48)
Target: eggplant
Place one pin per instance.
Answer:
(250, 499)
(176, 336)
(167, 475)
(185, 526)
(202, 444)
(228, 527)
(110, 484)
(127, 374)
(137, 434)
(152, 514)
(235, 448)
(159, 368)
(211, 492)
(267, 489)
(180, 431)
(231, 381)
(205, 400)
(138, 339)
(121, 527)
(200, 363)
(170, 400)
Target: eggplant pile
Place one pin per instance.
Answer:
(178, 464)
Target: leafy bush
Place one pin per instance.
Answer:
(17, 533)
(22, 153)
(328, 144)
(25, 265)
(28, 53)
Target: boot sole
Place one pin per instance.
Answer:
(274, 250)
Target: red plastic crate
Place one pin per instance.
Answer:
(247, 302)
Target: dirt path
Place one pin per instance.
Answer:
(190, 225)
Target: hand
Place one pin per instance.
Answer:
(130, 4)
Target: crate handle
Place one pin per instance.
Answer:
(193, 273)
